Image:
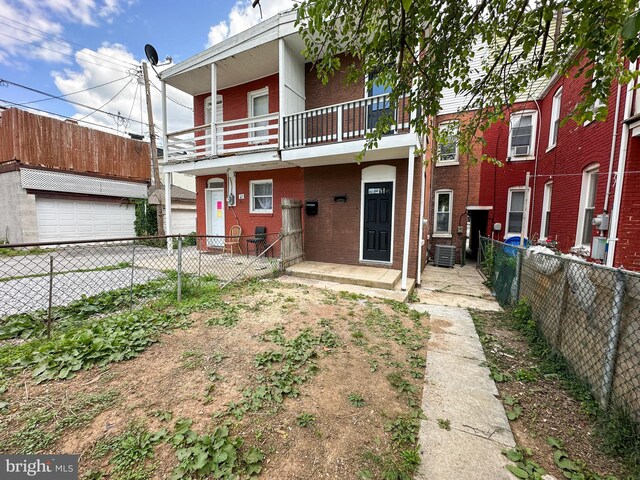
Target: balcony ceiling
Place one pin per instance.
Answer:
(239, 68)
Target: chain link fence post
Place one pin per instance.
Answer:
(179, 293)
(50, 296)
(133, 263)
(520, 258)
(613, 335)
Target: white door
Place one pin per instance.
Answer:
(215, 216)
(68, 220)
(207, 115)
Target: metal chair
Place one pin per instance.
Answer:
(233, 240)
(259, 240)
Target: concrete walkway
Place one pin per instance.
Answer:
(457, 386)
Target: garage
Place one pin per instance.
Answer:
(61, 219)
(183, 220)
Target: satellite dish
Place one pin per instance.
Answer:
(151, 54)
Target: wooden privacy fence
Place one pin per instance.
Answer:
(292, 248)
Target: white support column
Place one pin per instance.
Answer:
(165, 141)
(214, 109)
(423, 173)
(407, 218)
(282, 90)
(167, 210)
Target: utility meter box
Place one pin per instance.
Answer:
(601, 222)
(598, 248)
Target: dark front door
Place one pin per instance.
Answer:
(378, 199)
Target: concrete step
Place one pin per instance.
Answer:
(364, 276)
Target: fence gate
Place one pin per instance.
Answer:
(292, 248)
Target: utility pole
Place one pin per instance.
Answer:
(154, 149)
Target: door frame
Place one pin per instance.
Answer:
(207, 208)
(377, 174)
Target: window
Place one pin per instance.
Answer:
(261, 196)
(522, 135)
(448, 145)
(584, 232)
(258, 101)
(380, 106)
(444, 201)
(515, 211)
(595, 107)
(555, 118)
(207, 115)
(546, 210)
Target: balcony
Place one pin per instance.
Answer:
(232, 137)
(342, 122)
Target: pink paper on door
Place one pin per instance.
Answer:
(219, 205)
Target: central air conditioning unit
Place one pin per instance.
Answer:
(520, 151)
(445, 256)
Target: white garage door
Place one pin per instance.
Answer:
(183, 221)
(63, 219)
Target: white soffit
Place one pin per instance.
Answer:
(33, 179)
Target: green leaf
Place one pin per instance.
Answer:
(554, 442)
(406, 4)
(517, 471)
(630, 29)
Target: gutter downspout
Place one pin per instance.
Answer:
(613, 147)
(167, 175)
(407, 217)
(421, 225)
(622, 163)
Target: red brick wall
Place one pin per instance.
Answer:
(463, 179)
(235, 103)
(578, 146)
(334, 234)
(337, 90)
(287, 183)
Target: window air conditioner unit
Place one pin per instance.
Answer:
(520, 151)
(445, 256)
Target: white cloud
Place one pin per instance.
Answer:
(27, 27)
(130, 103)
(243, 16)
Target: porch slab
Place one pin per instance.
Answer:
(373, 277)
(397, 294)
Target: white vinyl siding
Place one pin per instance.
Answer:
(443, 208)
(554, 126)
(261, 196)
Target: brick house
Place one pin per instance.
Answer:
(279, 133)
(577, 172)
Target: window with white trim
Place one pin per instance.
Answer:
(595, 107)
(584, 232)
(443, 207)
(448, 143)
(261, 196)
(515, 211)
(555, 118)
(258, 102)
(522, 135)
(546, 210)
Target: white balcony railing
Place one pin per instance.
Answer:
(232, 137)
(344, 121)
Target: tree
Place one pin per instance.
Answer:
(419, 48)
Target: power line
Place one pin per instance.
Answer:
(173, 99)
(129, 64)
(60, 53)
(107, 103)
(70, 101)
(61, 97)
(65, 43)
(59, 115)
(133, 104)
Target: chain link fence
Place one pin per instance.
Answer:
(36, 278)
(588, 313)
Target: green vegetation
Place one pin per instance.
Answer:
(444, 423)
(305, 419)
(356, 400)
(17, 252)
(106, 268)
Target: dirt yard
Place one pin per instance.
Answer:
(323, 385)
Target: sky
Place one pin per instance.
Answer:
(90, 50)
